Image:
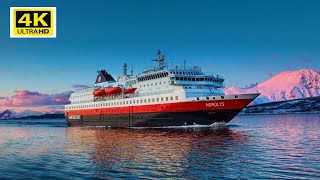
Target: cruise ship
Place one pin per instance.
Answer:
(158, 97)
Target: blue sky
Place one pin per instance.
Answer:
(246, 41)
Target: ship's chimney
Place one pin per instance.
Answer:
(124, 69)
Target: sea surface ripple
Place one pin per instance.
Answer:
(249, 147)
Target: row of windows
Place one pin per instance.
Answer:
(153, 76)
(83, 95)
(222, 97)
(84, 90)
(197, 79)
(185, 72)
(162, 99)
(164, 82)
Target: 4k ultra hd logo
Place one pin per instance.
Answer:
(32, 22)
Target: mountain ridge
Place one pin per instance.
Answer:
(284, 86)
(10, 114)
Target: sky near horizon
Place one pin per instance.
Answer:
(246, 41)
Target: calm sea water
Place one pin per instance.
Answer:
(264, 146)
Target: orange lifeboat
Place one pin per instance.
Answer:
(129, 91)
(99, 92)
(113, 90)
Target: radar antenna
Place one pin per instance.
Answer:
(160, 60)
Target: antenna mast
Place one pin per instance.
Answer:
(160, 60)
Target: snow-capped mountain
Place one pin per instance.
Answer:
(30, 113)
(284, 86)
(55, 112)
(8, 114)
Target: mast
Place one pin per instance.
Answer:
(160, 60)
(124, 69)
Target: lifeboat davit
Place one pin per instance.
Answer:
(99, 92)
(129, 91)
(113, 90)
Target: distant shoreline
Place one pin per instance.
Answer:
(45, 116)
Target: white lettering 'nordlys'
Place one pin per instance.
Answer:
(215, 104)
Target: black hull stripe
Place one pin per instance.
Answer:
(155, 119)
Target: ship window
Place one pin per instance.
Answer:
(164, 82)
(207, 98)
(130, 102)
(161, 98)
(145, 100)
(213, 98)
(155, 84)
(171, 98)
(222, 97)
(148, 100)
(157, 99)
(141, 101)
(167, 98)
(193, 79)
(151, 84)
(197, 98)
(236, 96)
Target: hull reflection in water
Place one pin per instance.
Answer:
(151, 152)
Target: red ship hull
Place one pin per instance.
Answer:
(204, 112)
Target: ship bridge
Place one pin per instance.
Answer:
(194, 77)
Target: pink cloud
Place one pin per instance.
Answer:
(25, 98)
